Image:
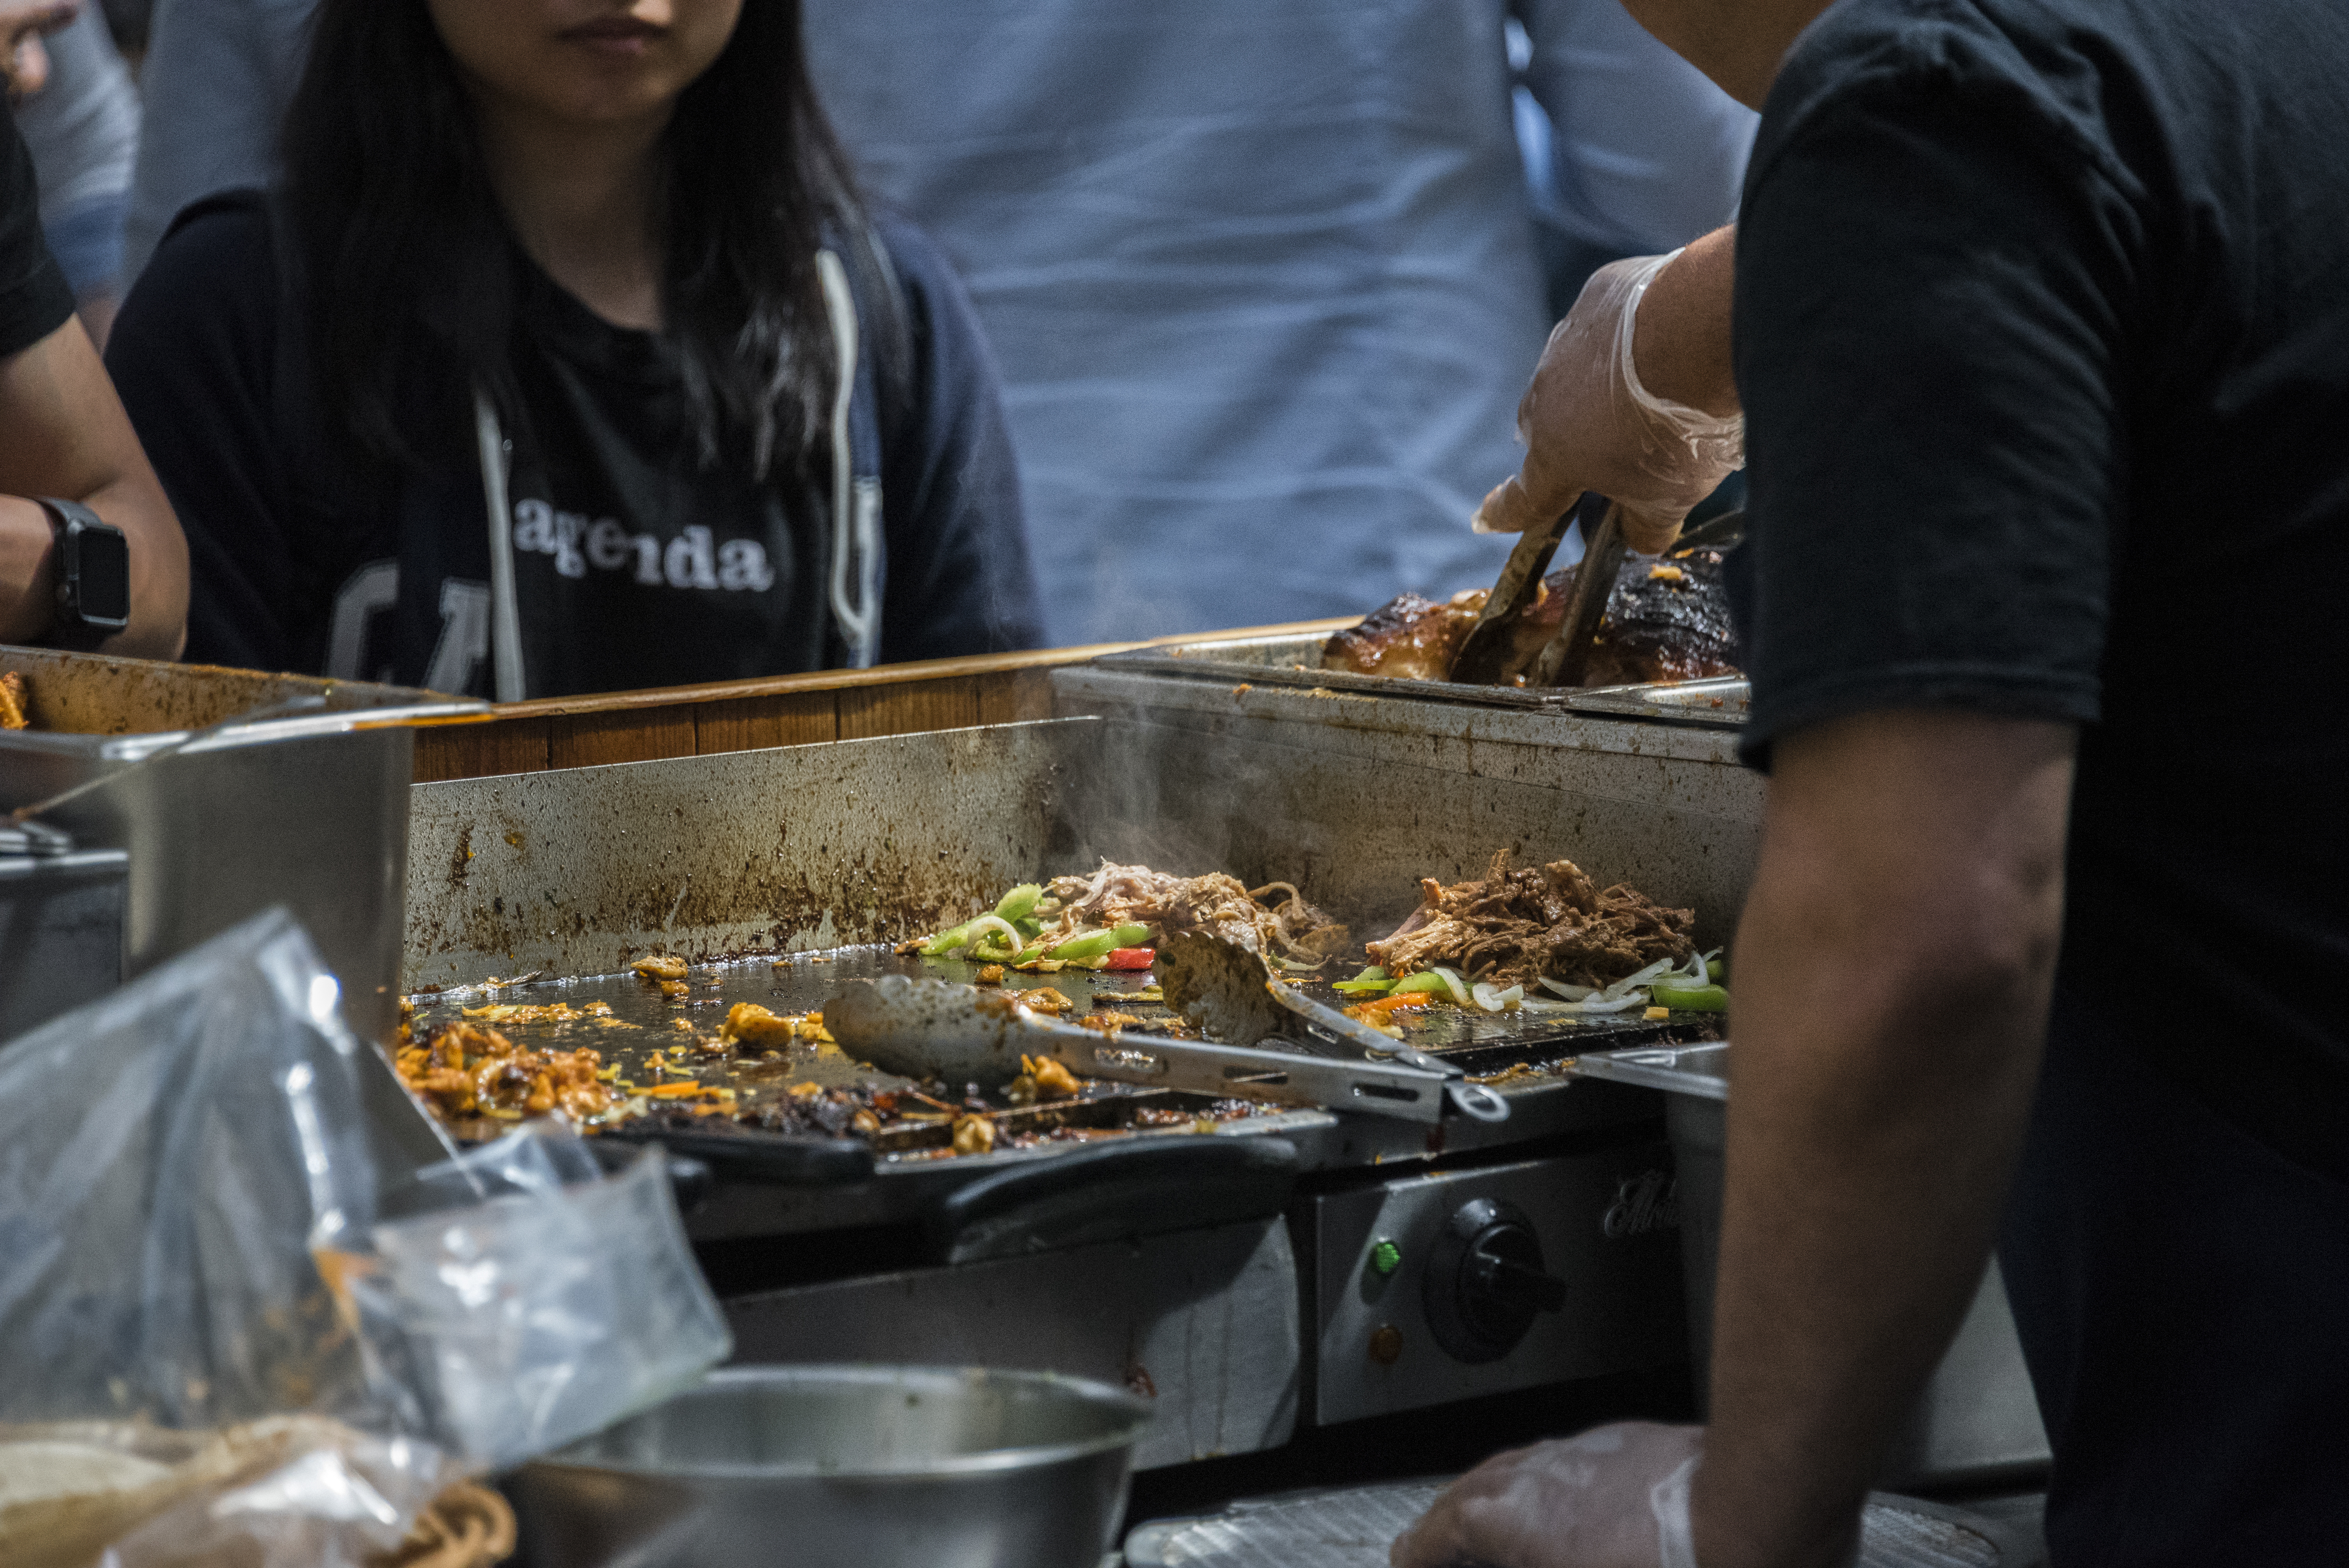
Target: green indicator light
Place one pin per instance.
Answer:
(1386, 1257)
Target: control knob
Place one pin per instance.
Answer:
(1485, 1281)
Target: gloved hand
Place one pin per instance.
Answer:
(1615, 1497)
(1588, 425)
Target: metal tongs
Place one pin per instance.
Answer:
(1239, 995)
(304, 713)
(21, 817)
(922, 1028)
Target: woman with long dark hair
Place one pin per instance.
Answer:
(567, 358)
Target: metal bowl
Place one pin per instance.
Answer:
(843, 1466)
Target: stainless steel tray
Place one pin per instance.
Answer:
(308, 809)
(1701, 1071)
(1295, 662)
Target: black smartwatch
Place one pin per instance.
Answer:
(93, 576)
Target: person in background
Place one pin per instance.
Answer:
(24, 25)
(90, 556)
(82, 128)
(215, 80)
(566, 360)
(1265, 280)
(126, 21)
(1265, 277)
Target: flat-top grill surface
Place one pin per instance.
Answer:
(1518, 1050)
(823, 854)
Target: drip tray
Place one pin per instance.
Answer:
(1352, 1527)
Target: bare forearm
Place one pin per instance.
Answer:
(71, 439)
(1892, 985)
(159, 570)
(1680, 345)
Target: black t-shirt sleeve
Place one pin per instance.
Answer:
(1929, 352)
(959, 581)
(34, 299)
(193, 356)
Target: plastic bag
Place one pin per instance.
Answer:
(532, 1328)
(259, 1332)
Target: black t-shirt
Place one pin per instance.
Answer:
(2042, 333)
(617, 523)
(34, 299)
(637, 564)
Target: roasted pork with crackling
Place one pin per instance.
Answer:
(1408, 638)
(1667, 620)
(1515, 927)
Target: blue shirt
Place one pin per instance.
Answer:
(1262, 278)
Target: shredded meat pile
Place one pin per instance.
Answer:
(1215, 903)
(1516, 926)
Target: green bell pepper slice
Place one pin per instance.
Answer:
(1019, 903)
(1099, 943)
(1682, 996)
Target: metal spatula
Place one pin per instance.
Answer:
(918, 1028)
(1235, 992)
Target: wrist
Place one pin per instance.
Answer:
(1680, 347)
(90, 573)
(28, 570)
(1734, 1526)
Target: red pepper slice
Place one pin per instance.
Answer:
(1130, 958)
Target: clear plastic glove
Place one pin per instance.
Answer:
(1615, 1497)
(1588, 425)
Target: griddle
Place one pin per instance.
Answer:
(823, 853)
(909, 1165)
(644, 1021)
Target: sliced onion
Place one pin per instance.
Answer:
(1612, 1004)
(1453, 983)
(1492, 999)
(986, 923)
(1589, 1003)
(1571, 993)
(1660, 966)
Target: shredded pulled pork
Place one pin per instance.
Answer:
(1516, 926)
(1215, 903)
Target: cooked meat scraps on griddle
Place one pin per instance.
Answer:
(16, 702)
(1667, 620)
(1216, 904)
(1514, 927)
(466, 1071)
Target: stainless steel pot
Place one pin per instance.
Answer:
(843, 1466)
